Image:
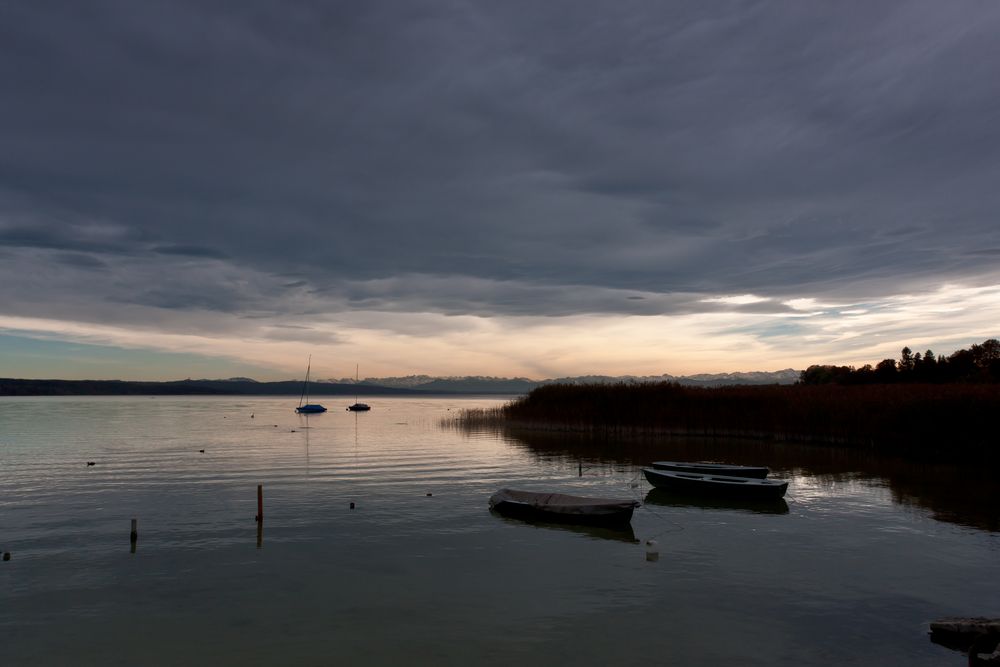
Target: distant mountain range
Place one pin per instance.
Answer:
(409, 385)
(494, 385)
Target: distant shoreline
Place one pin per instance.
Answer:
(20, 387)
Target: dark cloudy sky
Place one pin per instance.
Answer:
(507, 188)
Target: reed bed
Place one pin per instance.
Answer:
(940, 421)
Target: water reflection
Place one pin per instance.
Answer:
(665, 498)
(848, 576)
(619, 533)
(964, 495)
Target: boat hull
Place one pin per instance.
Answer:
(359, 407)
(715, 485)
(755, 472)
(619, 532)
(559, 508)
(666, 498)
(311, 408)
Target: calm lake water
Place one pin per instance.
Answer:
(848, 571)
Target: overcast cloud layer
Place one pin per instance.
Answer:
(375, 176)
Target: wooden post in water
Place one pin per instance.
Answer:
(260, 515)
(134, 535)
(581, 468)
(260, 503)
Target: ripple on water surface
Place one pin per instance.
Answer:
(420, 570)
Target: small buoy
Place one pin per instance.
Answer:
(90, 463)
(275, 426)
(293, 430)
(202, 451)
(652, 552)
(6, 555)
(429, 495)
(251, 415)
(352, 505)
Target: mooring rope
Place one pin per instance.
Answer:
(633, 490)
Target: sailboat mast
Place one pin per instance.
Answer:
(305, 385)
(308, 408)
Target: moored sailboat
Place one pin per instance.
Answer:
(305, 407)
(357, 407)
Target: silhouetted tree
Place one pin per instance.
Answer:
(821, 374)
(988, 351)
(864, 375)
(961, 366)
(925, 367)
(979, 363)
(906, 360)
(885, 370)
(986, 357)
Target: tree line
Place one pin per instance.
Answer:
(980, 363)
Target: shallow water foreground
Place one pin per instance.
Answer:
(847, 571)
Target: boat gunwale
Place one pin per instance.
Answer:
(719, 479)
(707, 468)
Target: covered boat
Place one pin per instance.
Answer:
(757, 472)
(715, 485)
(972, 634)
(563, 508)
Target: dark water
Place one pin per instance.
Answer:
(848, 570)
